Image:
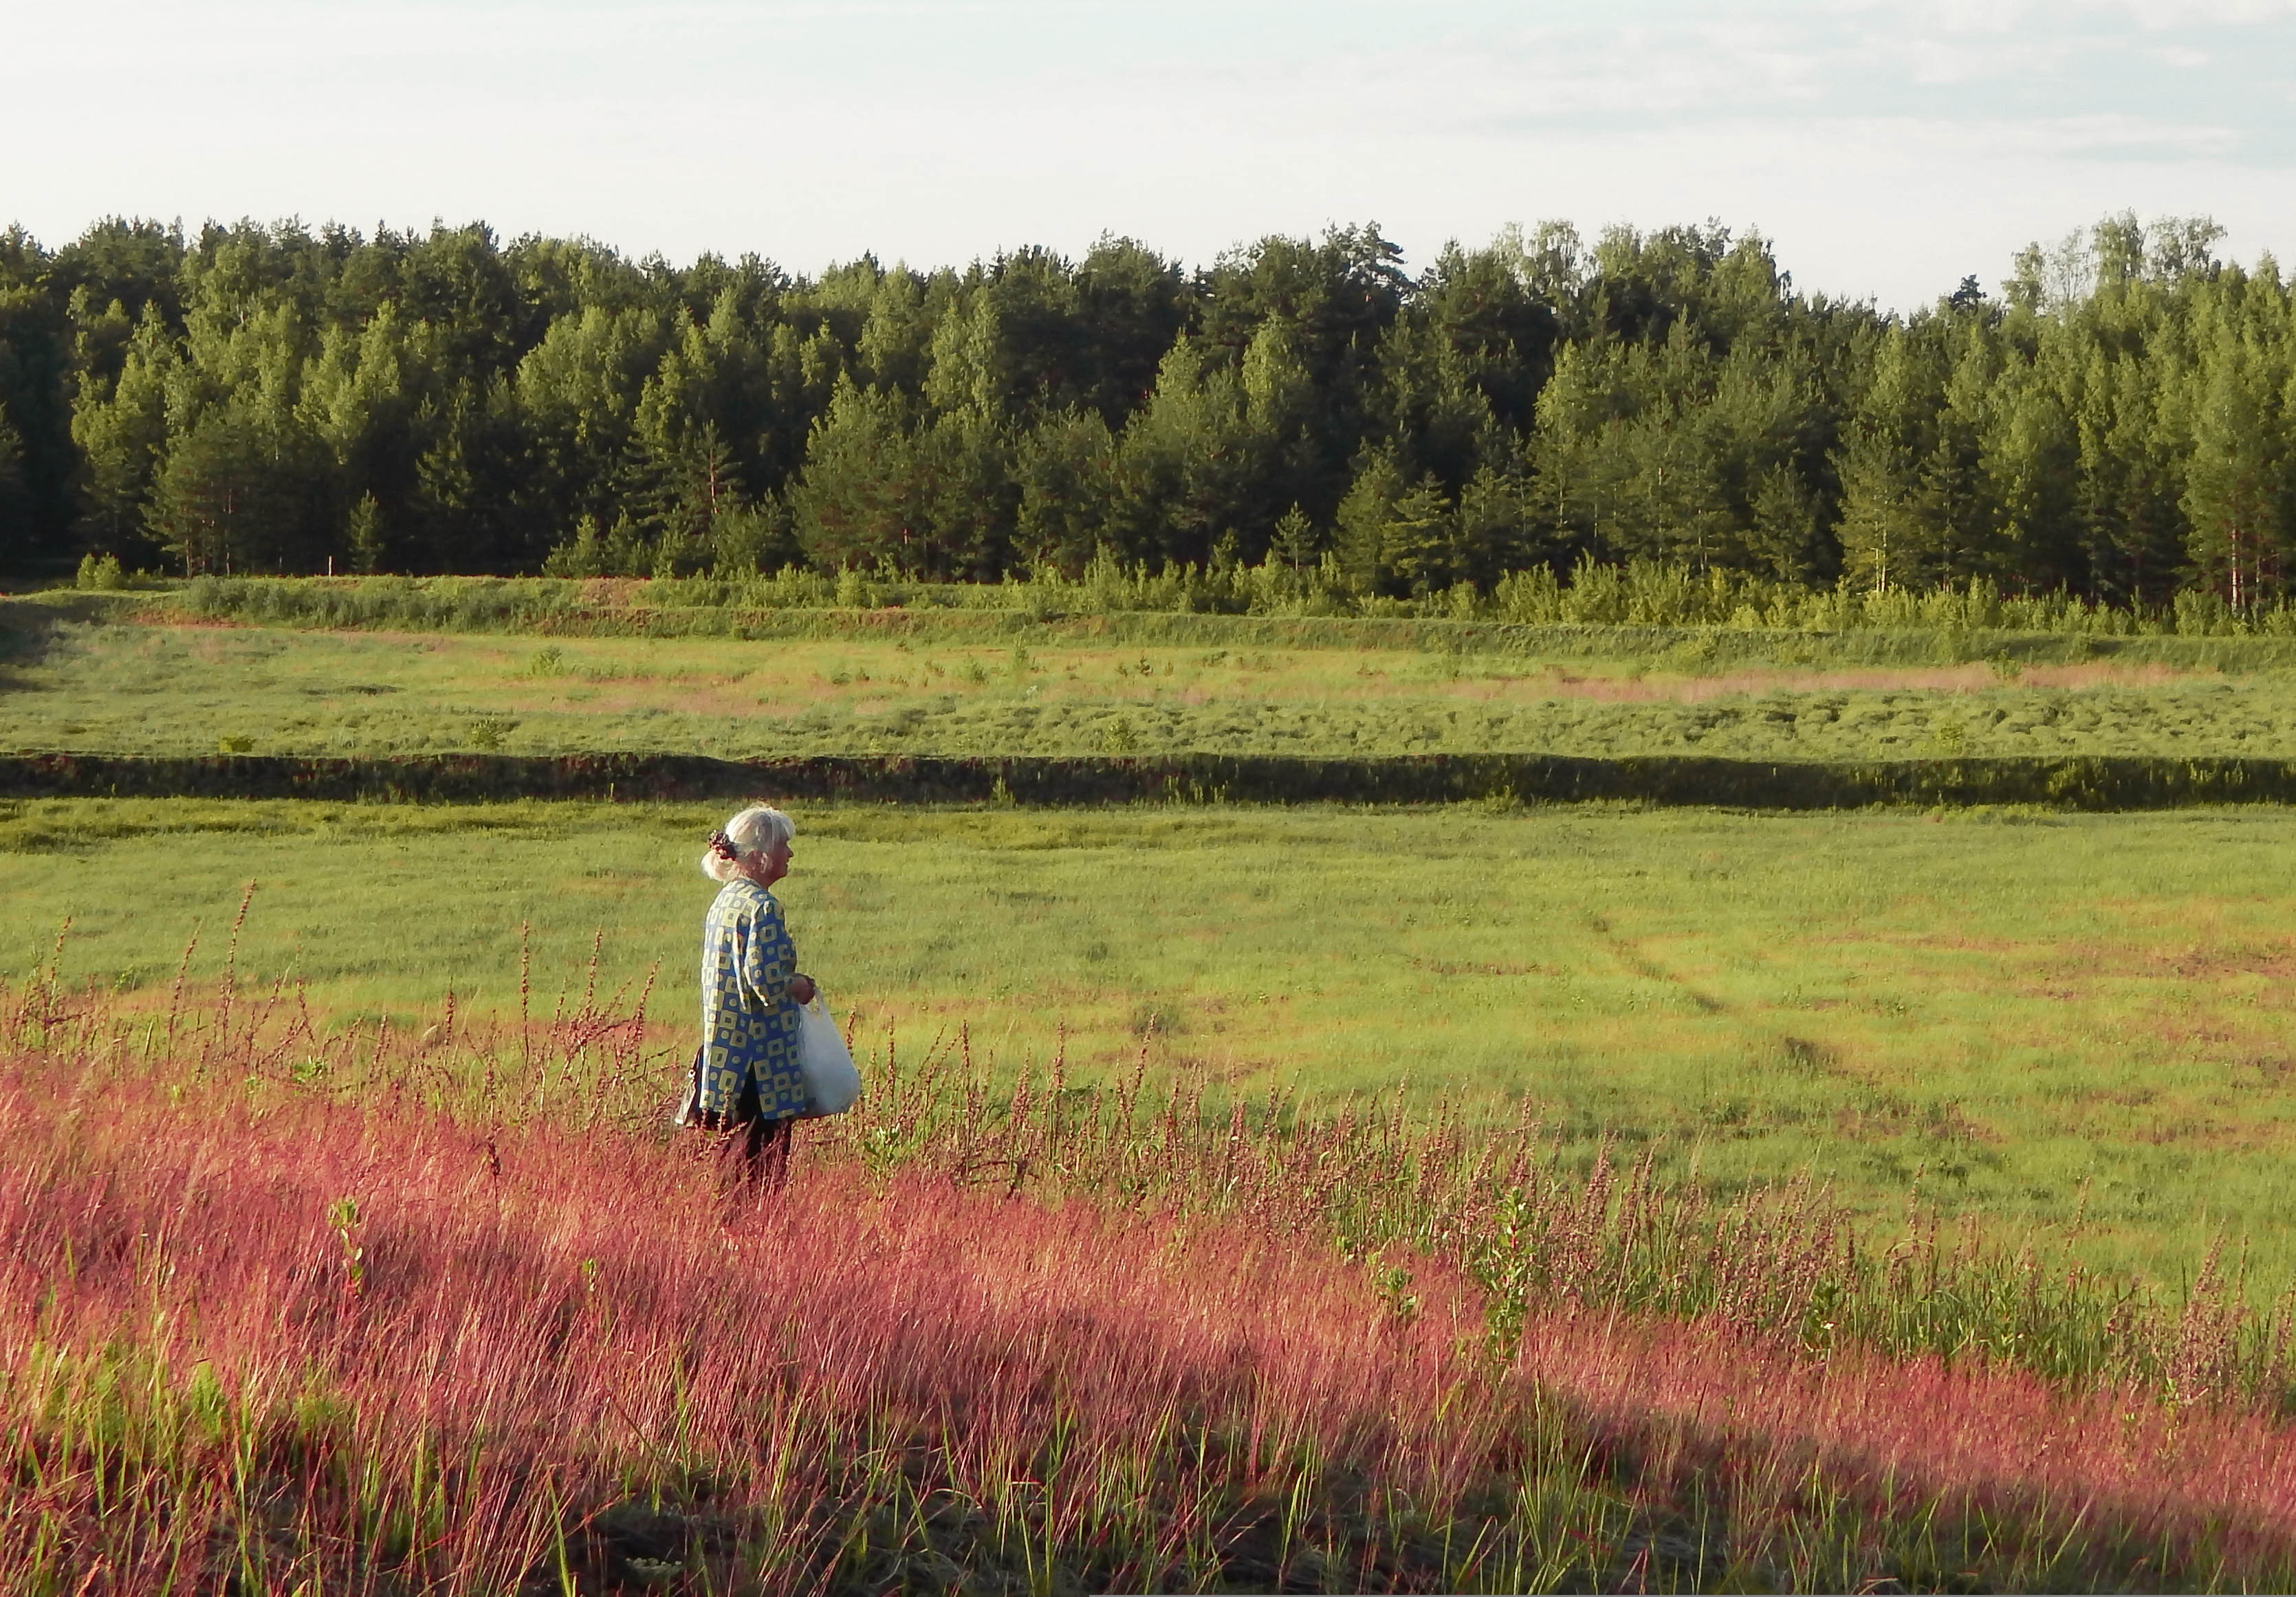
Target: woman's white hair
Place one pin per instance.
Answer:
(757, 829)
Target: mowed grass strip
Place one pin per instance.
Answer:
(2071, 1020)
(95, 686)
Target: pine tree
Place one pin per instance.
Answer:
(964, 499)
(582, 555)
(1295, 541)
(2234, 496)
(120, 427)
(852, 507)
(363, 534)
(208, 509)
(1364, 514)
(1787, 531)
(1888, 534)
(2032, 455)
(752, 539)
(1065, 466)
(702, 485)
(1956, 490)
(1419, 541)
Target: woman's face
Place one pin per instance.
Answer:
(772, 866)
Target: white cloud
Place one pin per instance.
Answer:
(2188, 14)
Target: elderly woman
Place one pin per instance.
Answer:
(746, 1076)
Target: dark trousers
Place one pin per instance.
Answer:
(756, 1151)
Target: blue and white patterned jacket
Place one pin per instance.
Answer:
(749, 1021)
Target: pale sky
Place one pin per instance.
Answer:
(1888, 147)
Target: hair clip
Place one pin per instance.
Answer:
(724, 846)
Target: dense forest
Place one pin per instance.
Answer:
(2112, 422)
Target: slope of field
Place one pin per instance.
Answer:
(2040, 1019)
(98, 684)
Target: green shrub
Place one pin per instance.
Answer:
(1640, 593)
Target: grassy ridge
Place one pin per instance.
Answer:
(84, 686)
(2086, 782)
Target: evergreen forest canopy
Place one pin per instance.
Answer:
(2114, 422)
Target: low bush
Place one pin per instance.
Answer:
(1638, 594)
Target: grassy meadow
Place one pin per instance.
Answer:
(1244, 1198)
(2078, 1022)
(95, 678)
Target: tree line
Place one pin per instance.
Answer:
(2112, 422)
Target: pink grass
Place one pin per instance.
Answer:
(562, 1317)
(270, 1333)
(1903, 1429)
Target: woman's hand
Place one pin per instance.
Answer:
(801, 987)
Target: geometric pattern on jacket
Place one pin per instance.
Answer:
(749, 1021)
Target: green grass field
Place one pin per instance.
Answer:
(2042, 1019)
(2067, 1028)
(85, 680)
(2051, 1020)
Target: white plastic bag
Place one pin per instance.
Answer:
(832, 1085)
